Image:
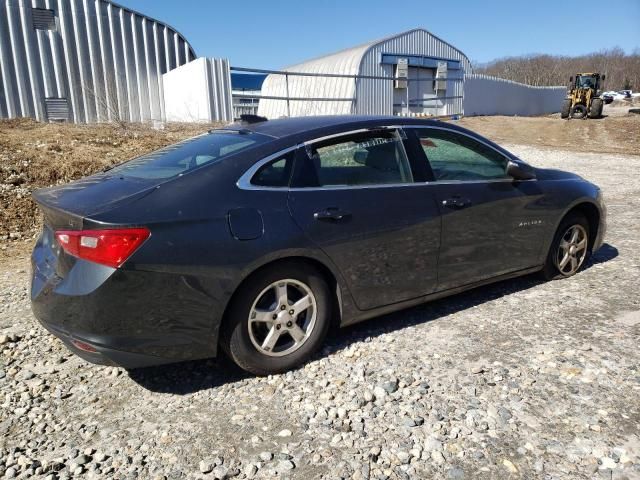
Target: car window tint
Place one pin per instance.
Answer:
(453, 156)
(364, 159)
(275, 173)
(189, 154)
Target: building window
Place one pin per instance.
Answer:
(43, 19)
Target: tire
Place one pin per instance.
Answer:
(566, 109)
(596, 108)
(553, 268)
(264, 345)
(579, 111)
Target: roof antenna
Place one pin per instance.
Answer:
(249, 119)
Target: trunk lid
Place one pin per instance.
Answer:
(76, 200)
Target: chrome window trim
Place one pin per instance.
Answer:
(244, 182)
(397, 185)
(336, 135)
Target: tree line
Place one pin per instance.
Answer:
(622, 70)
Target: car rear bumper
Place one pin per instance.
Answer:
(130, 318)
(104, 354)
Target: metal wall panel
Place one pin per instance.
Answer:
(105, 59)
(486, 95)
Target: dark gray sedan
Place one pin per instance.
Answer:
(258, 236)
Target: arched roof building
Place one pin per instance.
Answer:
(425, 56)
(84, 61)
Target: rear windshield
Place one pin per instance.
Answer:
(184, 156)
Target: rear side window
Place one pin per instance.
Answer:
(185, 156)
(362, 159)
(275, 173)
(453, 156)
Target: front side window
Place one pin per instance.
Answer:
(185, 156)
(361, 159)
(454, 156)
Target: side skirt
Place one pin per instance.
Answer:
(394, 307)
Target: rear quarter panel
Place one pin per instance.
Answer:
(191, 235)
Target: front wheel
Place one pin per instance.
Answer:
(596, 108)
(278, 319)
(579, 111)
(570, 248)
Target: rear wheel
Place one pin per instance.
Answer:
(278, 319)
(596, 108)
(566, 109)
(578, 111)
(570, 248)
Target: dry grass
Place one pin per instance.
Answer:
(34, 155)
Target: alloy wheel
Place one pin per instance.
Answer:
(572, 250)
(282, 317)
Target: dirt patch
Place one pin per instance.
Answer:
(34, 155)
(615, 133)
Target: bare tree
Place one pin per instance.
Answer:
(622, 70)
(109, 106)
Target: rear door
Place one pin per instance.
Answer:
(355, 197)
(490, 222)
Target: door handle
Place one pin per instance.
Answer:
(331, 213)
(456, 202)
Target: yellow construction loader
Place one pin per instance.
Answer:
(585, 97)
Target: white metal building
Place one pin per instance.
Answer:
(434, 69)
(199, 91)
(84, 61)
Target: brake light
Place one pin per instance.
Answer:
(109, 247)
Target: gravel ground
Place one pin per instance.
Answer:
(521, 379)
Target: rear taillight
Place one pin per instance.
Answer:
(109, 247)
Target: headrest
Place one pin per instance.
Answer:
(383, 157)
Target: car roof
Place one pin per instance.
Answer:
(301, 129)
(285, 127)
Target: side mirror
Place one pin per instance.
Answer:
(604, 77)
(520, 171)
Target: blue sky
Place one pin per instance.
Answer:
(274, 34)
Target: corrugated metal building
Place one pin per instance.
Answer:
(435, 72)
(84, 61)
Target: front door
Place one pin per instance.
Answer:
(490, 224)
(354, 197)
